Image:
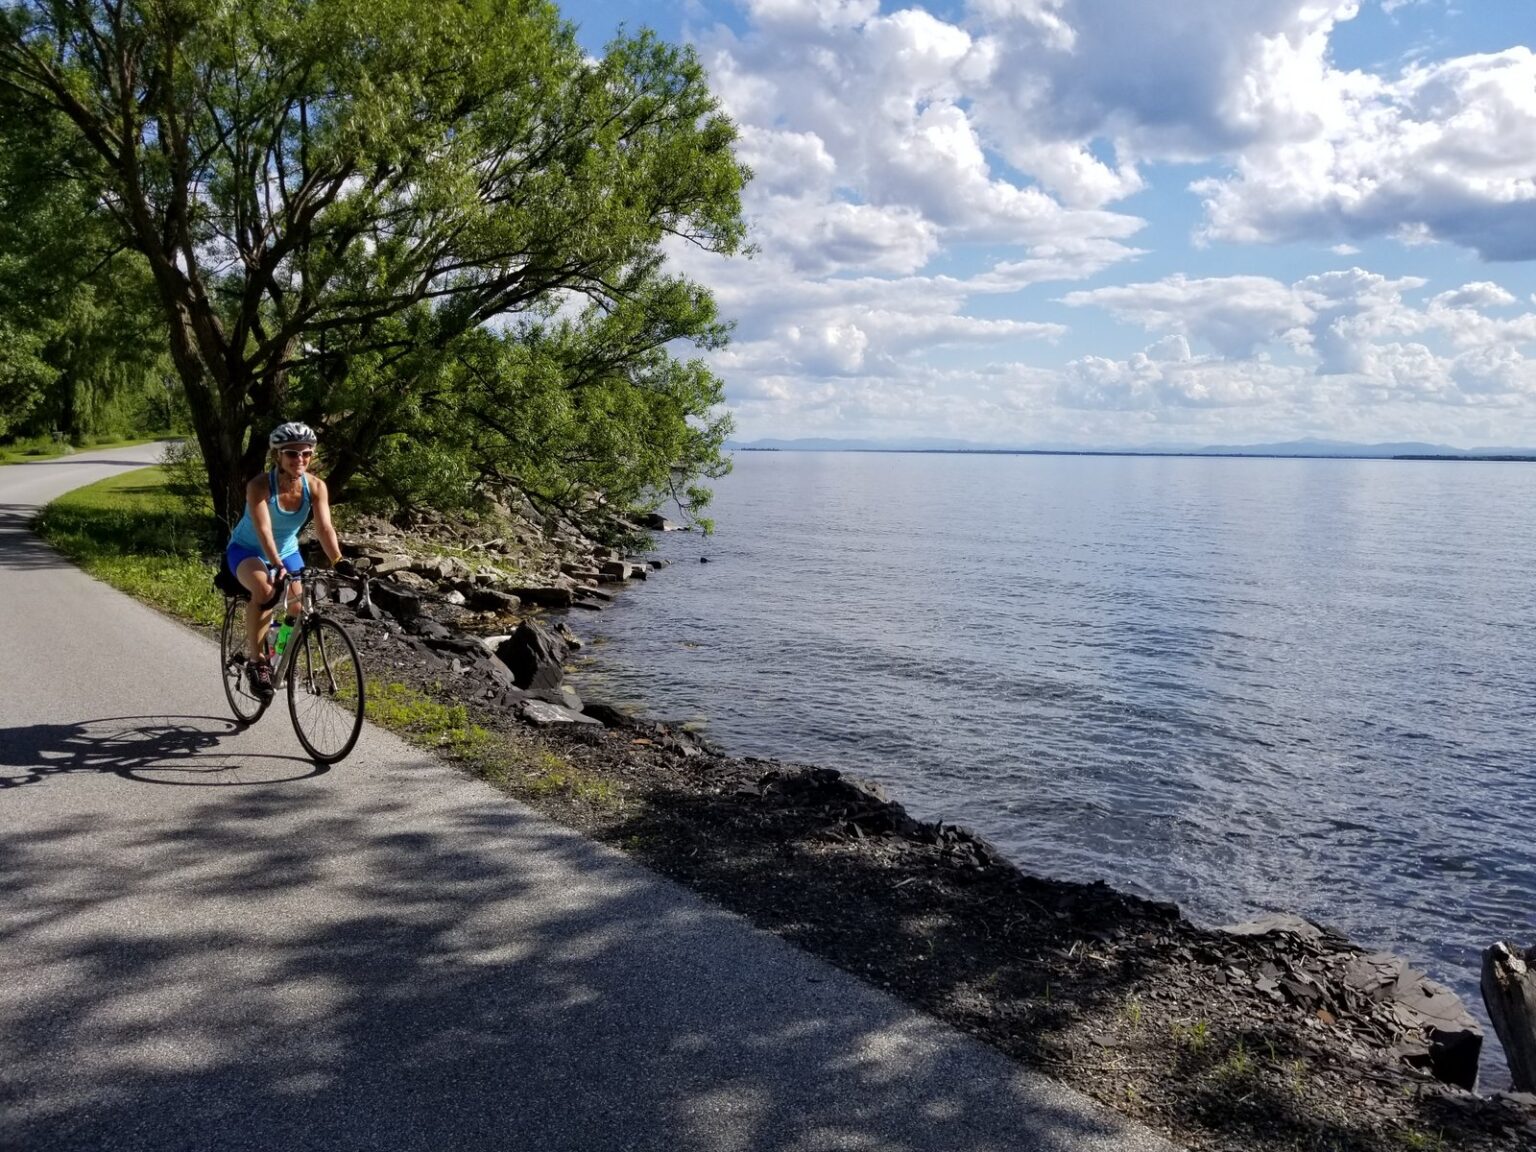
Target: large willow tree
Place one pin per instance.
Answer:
(331, 194)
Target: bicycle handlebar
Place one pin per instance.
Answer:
(285, 577)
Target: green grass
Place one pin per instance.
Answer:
(403, 709)
(131, 532)
(43, 447)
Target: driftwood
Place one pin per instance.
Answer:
(1509, 991)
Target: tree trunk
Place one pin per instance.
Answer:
(1509, 991)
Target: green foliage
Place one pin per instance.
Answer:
(334, 198)
(134, 534)
(82, 349)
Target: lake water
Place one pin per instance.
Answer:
(1241, 684)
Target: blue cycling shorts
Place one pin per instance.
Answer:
(237, 554)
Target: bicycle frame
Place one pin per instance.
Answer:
(308, 606)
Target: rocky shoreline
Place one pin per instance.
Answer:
(1277, 1035)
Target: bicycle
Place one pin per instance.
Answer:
(319, 667)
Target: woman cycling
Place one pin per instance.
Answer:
(265, 542)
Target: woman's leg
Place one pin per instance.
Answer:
(253, 575)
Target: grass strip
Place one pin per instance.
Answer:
(46, 447)
(132, 532)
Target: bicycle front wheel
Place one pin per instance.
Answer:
(325, 690)
(243, 700)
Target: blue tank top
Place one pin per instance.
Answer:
(285, 525)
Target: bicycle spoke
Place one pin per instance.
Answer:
(325, 691)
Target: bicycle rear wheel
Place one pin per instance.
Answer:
(325, 690)
(243, 702)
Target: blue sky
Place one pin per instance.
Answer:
(1115, 222)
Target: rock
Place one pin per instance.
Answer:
(656, 522)
(659, 563)
(413, 580)
(615, 570)
(455, 598)
(1275, 924)
(594, 594)
(1442, 1038)
(564, 695)
(491, 600)
(535, 656)
(394, 564)
(563, 630)
(1509, 991)
(542, 713)
(579, 571)
(429, 629)
(703, 559)
(544, 597)
(611, 717)
(400, 603)
(466, 646)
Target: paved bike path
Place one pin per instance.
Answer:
(205, 944)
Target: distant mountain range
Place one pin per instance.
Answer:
(1307, 448)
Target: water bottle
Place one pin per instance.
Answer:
(283, 632)
(275, 639)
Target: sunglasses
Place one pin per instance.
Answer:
(299, 453)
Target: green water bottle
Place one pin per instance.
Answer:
(283, 633)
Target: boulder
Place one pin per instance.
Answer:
(611, 717)
(429, 629)
(544, 597)
(398, 563)
(615, 570)
(534, 655)
(491, 600)
(401, 603)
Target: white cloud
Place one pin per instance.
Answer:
(1483, 294)
(1447, 153)
(858, 108)
(1235, 314)
(1354, 325)
(1004, 149)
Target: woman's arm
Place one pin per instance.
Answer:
(256, 495)
(323, 526)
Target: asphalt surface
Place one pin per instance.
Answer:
(206, 943)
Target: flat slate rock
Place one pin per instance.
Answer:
(544, 714)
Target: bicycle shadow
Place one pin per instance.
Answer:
(174, 750)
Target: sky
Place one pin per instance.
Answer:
(1124, 222)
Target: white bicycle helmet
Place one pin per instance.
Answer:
(292, 432)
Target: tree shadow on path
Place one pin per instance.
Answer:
(444, 973)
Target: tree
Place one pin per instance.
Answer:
(321, 184)
(82, 349)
